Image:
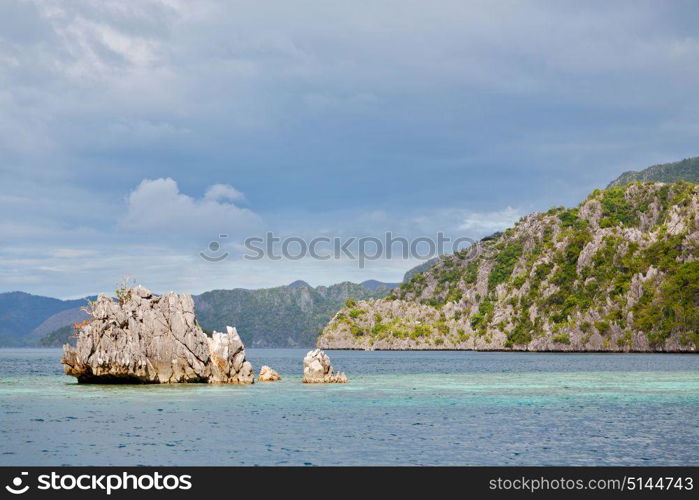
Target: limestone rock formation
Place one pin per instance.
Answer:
(268, 375)
(618, 273)
(317, 369)
(145, 338)
(228, 364)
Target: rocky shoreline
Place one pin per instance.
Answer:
(518, 350)
(342, 341)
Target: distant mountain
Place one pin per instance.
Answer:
(285, 316)
(21, 313)
(375, 285)
(684, 170)
(57, 337)
(370, 284)
(58, 320)
(289, 315)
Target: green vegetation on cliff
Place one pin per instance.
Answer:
(618, 272)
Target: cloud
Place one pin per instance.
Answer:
(219, 192)
(158, 208)
(491, 221)
(453, 223)
(344, 118)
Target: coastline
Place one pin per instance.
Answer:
(344, 341)
(546, 351)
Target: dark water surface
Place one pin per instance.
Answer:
(449, 408)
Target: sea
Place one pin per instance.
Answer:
(399, 408)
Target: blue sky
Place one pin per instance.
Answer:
(132, 133)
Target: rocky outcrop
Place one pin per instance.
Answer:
(145, 338)
(618, 273)
(228, 364)
(268, 375)
(318, 370)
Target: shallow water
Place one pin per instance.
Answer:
(446, 408)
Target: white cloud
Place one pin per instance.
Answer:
(219, 192)
(158, 208)
(454, 222)
(490, 221)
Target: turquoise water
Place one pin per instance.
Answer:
(446, 408)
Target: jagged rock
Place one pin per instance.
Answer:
(145, 338)
(317, 369)
(268, 375)
(228, 364)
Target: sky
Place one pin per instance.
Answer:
(134, 132)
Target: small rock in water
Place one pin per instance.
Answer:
(268, 375)
(318, 370)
